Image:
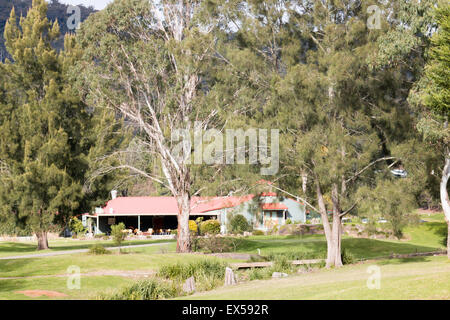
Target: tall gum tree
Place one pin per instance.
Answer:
(150, 61)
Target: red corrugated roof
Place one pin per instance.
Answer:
(273, 206)
(168, 205)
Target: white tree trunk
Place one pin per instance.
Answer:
(183, 234)
(332, 233)
(445, 199)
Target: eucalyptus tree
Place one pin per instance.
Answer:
(151, 62)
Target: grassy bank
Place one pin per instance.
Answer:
(421, 278)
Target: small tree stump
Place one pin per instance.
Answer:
(230, 278)
(189, 285)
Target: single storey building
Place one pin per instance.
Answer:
(158, 215)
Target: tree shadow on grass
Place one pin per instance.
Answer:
(373, 248)
(361, 248)
(403, 261)
(438, 228)
(18, 247)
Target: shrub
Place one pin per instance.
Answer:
(76, 226)
(282, 264)
(99, 235)
(347, 257)
(258, 258)
(259, 273)
(210, 268)
(118, 234)
(239, 224)
(297, 255)
(258, 233)
(98, 249)
(210, 227)
(149, 289)
(444, 240)
(289, 221)
(193, 227)
(274, 230)
(214, 243)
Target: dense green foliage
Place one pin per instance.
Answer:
(49, 135)
(118, 234)
(42, 122)
(98, 249)
(196, 269)
(149, 289)
(57, 11)
(76, 226)
(211, 226)
(238, 224)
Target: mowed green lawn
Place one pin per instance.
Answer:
(417, 278)
(18, 248)
(90, 287)
(424, 237)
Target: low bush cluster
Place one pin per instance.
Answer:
(297, 255)
(149, 289)
(211, 227)
(196, 269)
(208, 273)
(347, 257)
(215, 244)
(98, 249)
(258, 232)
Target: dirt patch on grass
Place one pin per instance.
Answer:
(38, 293)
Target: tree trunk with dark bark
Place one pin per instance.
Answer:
(42, 240)
(183, 234)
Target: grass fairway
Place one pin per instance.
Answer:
(8, 249)
(421, 278)
(90, 287)
(92, 263)
(424, 237)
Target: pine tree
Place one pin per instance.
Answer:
(434, 94)
(43, 126)
(310, 76)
